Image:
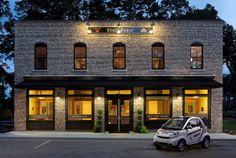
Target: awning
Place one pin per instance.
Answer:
(133, 81)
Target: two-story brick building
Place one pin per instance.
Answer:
(66, 70)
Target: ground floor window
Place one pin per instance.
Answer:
(80, 105)
(41, 105)
(196, 102)
(158, 105)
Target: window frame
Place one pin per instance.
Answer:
(198, 44)
(40, 44)
(80, 44)
(158, 44)
(36, 95)
(118, 44)
(157, 95)
(203, 95)
(79, 95)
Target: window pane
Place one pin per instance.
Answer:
(157, 63)
(196, 91)
(41, 108)
(196, 51)
(80, 63)
(80, 52)
(40, 92)
(41, 51)
(157, 107)
(119, 51)
(41, 63)
(160, 91)
(196, 63)
(157, 51)
(79, 108)
(116, 92)
(196, 106)
(80, 92)
(119, 63)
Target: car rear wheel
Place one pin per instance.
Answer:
(181, 145)
(206, 142)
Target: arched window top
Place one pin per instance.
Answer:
(197, 44)
(118, 44)
(40, 44)
(157, 44)
(80, 44)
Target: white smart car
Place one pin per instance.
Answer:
(181, 131)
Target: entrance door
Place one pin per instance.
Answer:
(118, 113)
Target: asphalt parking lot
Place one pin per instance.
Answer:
(75, 148)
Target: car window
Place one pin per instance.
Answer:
(193, 123)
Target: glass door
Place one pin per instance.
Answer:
(118, 113)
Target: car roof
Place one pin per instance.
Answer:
(187, 117)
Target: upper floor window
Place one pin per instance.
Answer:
(40, 56)
(158, 56)
(196, 58)
(80, 55)
(119, 56)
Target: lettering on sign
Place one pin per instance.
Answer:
(120, 30)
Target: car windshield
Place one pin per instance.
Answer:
(175, 123)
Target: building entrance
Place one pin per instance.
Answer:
(118, 113)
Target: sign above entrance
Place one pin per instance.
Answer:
(120, 30)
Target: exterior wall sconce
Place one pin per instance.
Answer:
(152, 25)
(118, 31)
(139, 96)
(59, 94)
(99, 96)
(88, 24)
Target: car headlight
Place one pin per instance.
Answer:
(175, 134)
(158, 132)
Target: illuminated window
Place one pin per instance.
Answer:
(196, 58)
(196, 103)
(41, 105)
(119, 56)
(80, 56)
(80, 105)
(158, 56)
(118, 92)
(40, 56)
(157, 104)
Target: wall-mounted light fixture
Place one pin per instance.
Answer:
(139, 96)
(99, 96)
(118, 30)
(152, 25)
(88, 24)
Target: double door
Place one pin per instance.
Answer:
(118, 113)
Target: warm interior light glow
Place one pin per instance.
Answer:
(57, 98)
(89, 31)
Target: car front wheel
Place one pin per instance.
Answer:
(181, 145)
(206, 142)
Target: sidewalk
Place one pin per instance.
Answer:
(92, 135)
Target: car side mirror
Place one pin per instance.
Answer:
(189, 127)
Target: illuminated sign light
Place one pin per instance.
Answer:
(120, 30)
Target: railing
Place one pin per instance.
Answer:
(6, 125)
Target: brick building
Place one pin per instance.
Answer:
(66, 70)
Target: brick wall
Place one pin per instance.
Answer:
(177, 36)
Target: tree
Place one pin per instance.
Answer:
(207, 13)
(50, 9)
(6, 52)
(174, 9)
